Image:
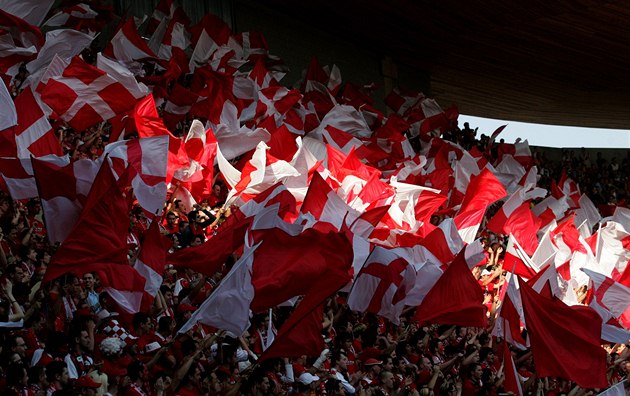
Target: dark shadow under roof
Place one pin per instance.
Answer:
(564, 62)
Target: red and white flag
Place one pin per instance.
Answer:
(122, 74)
(512, 381)
(17, 175)
(456, 297)
(152, 259)
(201, 147)
(227, 308)
(382, 284)
(613, 296)
(33, 135)
(261, 172)
(64, 43)
(482, 191)
(31, 11)
(546, 251)
(322, 204)
(515, 218)
(444, 242)
(234, 139)
(207, 36)
(21, 41)
(149, 124)
(73, 17)
(147, 160)
(518, 261)
(301, 334)
(8, 114)
(98, 243)
(262, 279)
(127, 45)
(84, 95)
(587, 213)
(612, 253)
(401, 100)
(510, 317)
(565, 340)
(178, 104)
(169, 10)
(63, 192)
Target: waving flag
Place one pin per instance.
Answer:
(456, 297)
(565, 341)
(63, 192)
(382, 285)
(98, 243)
(84, 95)
(33, 135)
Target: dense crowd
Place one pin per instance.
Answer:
(66, 337)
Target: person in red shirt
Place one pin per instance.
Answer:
(472, 384)
(217, 195)
(170, 225)
(180, 209)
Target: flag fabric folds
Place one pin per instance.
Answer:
(456, 297)
(565, 341)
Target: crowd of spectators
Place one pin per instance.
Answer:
(68, 337)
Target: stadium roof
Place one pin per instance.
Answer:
(564, 62)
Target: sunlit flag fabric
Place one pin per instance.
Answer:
(301, 334)
(516, 218)
(613, 296)
(483, 190)
(565, 340)
(510, 314)
(512, 381)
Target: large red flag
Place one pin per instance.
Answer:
(483, 190)
(301, 334)
(456, 297)
(565, 341)
(286, 266)
(98, 243)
